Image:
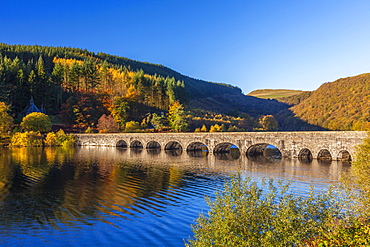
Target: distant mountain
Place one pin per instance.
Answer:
(340, 105)
(274, 93)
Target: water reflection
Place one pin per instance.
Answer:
(173, 152)
(197, 153)
(128, 193)
(154, 151)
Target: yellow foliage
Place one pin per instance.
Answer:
(26, 139)
(215, 128)
(132, 126)
(131, 93)
(68, 61)
(51, 139)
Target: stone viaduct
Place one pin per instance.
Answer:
(336, 145)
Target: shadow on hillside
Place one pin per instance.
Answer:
(289, 122)
(255, 107)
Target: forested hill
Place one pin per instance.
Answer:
(195, 88)
(340, 105)
(80, 87)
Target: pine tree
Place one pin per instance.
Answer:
(74, 77)
(57, 78)
(90, 74)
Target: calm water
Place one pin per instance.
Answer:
(116, 197)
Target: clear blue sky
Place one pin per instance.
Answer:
(253, 44)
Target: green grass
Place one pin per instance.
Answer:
(274, 93)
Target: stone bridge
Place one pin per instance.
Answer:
(336, 145)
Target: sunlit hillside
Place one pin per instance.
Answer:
(340, 105)
(273, 93)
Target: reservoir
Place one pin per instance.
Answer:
(108, 196)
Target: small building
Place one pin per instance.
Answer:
(31, 107)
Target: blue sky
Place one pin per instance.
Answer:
(253, 44)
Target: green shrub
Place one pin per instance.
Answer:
(360, 173)
(59, 139)
(243, 214)
(70, 140)
(132, 126)
(63, 139)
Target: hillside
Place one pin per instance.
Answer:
(274, 93)
(296, 98)
(80, 87)
(239, 105)
(195, 88)
(236, 104)
(340, 105)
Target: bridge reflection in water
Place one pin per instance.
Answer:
(306, 146)
(271, 163)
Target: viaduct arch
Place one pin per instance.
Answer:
(327, 145)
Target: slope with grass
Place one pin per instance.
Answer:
(274, 93)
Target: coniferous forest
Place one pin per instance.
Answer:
(83, 89)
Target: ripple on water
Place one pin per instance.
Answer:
(125, 199)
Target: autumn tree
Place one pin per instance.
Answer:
(268, 122)
(177, 118)
(36, 121)
(107, 124)
(119, 111)
(6, 121)
(215, 128)
(159, 121)
(83, 109)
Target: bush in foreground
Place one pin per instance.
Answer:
(244, 214)
(359, 180)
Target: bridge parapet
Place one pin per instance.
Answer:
(318, 144)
